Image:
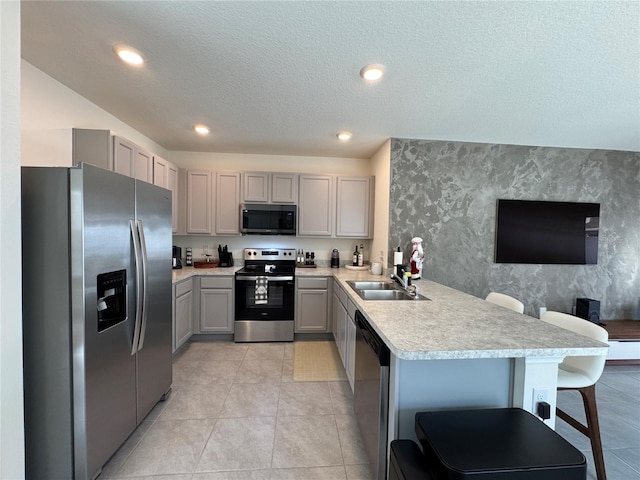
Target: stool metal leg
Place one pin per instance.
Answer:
(592, 429)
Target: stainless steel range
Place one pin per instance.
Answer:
(265, 294)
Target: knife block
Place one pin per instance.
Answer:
(226, 259)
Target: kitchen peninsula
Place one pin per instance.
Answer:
(456, 350)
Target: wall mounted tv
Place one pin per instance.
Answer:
(543, 232)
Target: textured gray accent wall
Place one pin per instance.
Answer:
(447, 192)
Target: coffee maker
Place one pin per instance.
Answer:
(177, 257)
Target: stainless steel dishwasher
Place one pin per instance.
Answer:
(371, 394)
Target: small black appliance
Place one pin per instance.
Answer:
(335, 258)
(177, 257)
(588, 309)
(225, 257)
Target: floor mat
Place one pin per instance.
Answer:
(317, 362)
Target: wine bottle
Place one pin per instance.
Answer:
(360, 255)
(355, 257)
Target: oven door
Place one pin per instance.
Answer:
(277, 304)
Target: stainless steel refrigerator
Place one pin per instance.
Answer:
(96, 273)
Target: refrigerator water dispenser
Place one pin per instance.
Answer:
(112, 298)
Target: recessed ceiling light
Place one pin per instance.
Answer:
(372, 72)
(201, 129)
(344, 136)
(128, 55)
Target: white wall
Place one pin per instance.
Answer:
(49, 112)
(381, 168)
(238, 162)
(11, 399)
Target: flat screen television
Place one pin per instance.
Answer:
(540, 232)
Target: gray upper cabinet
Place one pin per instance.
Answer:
(199, 201)
(284, 188)
(316, 205)
(92, 146)
(165, 174)
(353, 207)
(227, 203)
(131, 160)
(264, 187)
(255, 187)
(160, 171)
(124, 154)
(143, 165)
(172, 184)
(111, 152)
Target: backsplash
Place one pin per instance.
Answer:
(446, 193)
(236, 245)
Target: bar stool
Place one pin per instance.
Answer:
(406, 461)
(581, 374)
(496, 444)
(505, 301)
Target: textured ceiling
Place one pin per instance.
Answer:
(282, 77)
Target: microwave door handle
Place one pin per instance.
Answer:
(139, 279)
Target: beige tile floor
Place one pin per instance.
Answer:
(235, 413)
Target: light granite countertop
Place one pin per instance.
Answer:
(183, 273)
(450, 325)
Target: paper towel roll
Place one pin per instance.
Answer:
(397, 258)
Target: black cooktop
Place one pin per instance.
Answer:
(268, 268)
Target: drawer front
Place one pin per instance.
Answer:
(216, 282)
(343, 297)
(318, 283)
(184, 287)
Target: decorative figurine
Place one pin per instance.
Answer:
(417, 255)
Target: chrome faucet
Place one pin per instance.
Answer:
(402, 280)
(413, 290)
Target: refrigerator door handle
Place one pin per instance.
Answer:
(145, 281)
(139, 285)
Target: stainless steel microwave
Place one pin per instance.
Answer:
(268, 219)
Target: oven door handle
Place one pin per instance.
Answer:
(269, 279)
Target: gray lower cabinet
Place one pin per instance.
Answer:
(350, 342)
(312, 304)
(341, 325)
(344, 329)
(182, 312)
(335, 301)
(216, 304)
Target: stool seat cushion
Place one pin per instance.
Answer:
(497, 444)
(572, 378)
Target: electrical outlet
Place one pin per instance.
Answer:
(543, 310)
(540, 394)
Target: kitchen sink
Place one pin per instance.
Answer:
(384, 295)
(382, 291)
(371, 285)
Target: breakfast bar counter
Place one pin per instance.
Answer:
(455, 325)
(454, 350)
